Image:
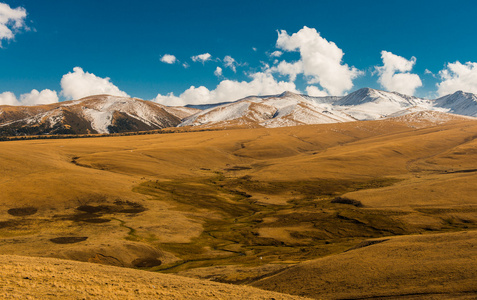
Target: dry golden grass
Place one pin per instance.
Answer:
(439, 266)
(245, 200)
(47, 278)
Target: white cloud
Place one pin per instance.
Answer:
(11, 20)
(254, 49)
(402, 82)
(429, 72)
(218, 72)
(313, 91)
(321, 60)
(168, 59)
(458, 77)
(33, 98)
(185, 65)
(261, 84)
(79, 84)
(276, 53)
(230, 62)
(290, 69)
(8, 98)
(201, 57)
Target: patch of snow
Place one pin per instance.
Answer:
(218, 114)
(100, 120)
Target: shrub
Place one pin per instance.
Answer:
(344, 200)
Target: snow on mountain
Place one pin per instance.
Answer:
(103, 111)
(420, 119)
(370, 104)
(110, 114)
(181, 112)
(287, 109)
(459, 103)
(94, 114)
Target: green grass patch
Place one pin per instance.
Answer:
(232, 235)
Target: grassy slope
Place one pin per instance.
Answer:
(46, 278)
(235, 205)
(436, 266)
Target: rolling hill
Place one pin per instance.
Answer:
(242, 205)
(46, 278)
(411, 267)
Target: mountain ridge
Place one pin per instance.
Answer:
(113, 114)
(93, 114)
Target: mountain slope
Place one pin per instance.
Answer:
(48, 278)
(370, 104)
(459, 103)
(287, 109)
(110, 114)
(94, 114)
(388, 268)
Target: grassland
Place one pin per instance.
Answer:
(47, 278)
(238, 206)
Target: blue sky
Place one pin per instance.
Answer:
(125, 41)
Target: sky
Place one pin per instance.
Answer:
(190, 52)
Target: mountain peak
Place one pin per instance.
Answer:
(464, 94)
(460, 102)
(288, 94)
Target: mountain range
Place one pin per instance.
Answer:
(112, 114)
(94, 114)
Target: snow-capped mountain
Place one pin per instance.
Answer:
(370, 104)
(289, 109)
(94, 114)
(459, 103)
(286, 109)
(110, 114)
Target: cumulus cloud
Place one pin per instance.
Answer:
(230, 62)
(79, 84)
(168, 59)
(458, 77)
(218, 72)
(394, 75)
(201, 57)
(314, 91)
(11, 20)
(276, 53)
(261, 83)
(289, 69)
(8, 98)
(321, 60)
(33, 98)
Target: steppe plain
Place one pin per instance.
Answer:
(357, 210)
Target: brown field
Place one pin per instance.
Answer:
(239, 206)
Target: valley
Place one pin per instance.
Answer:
(260, 206)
